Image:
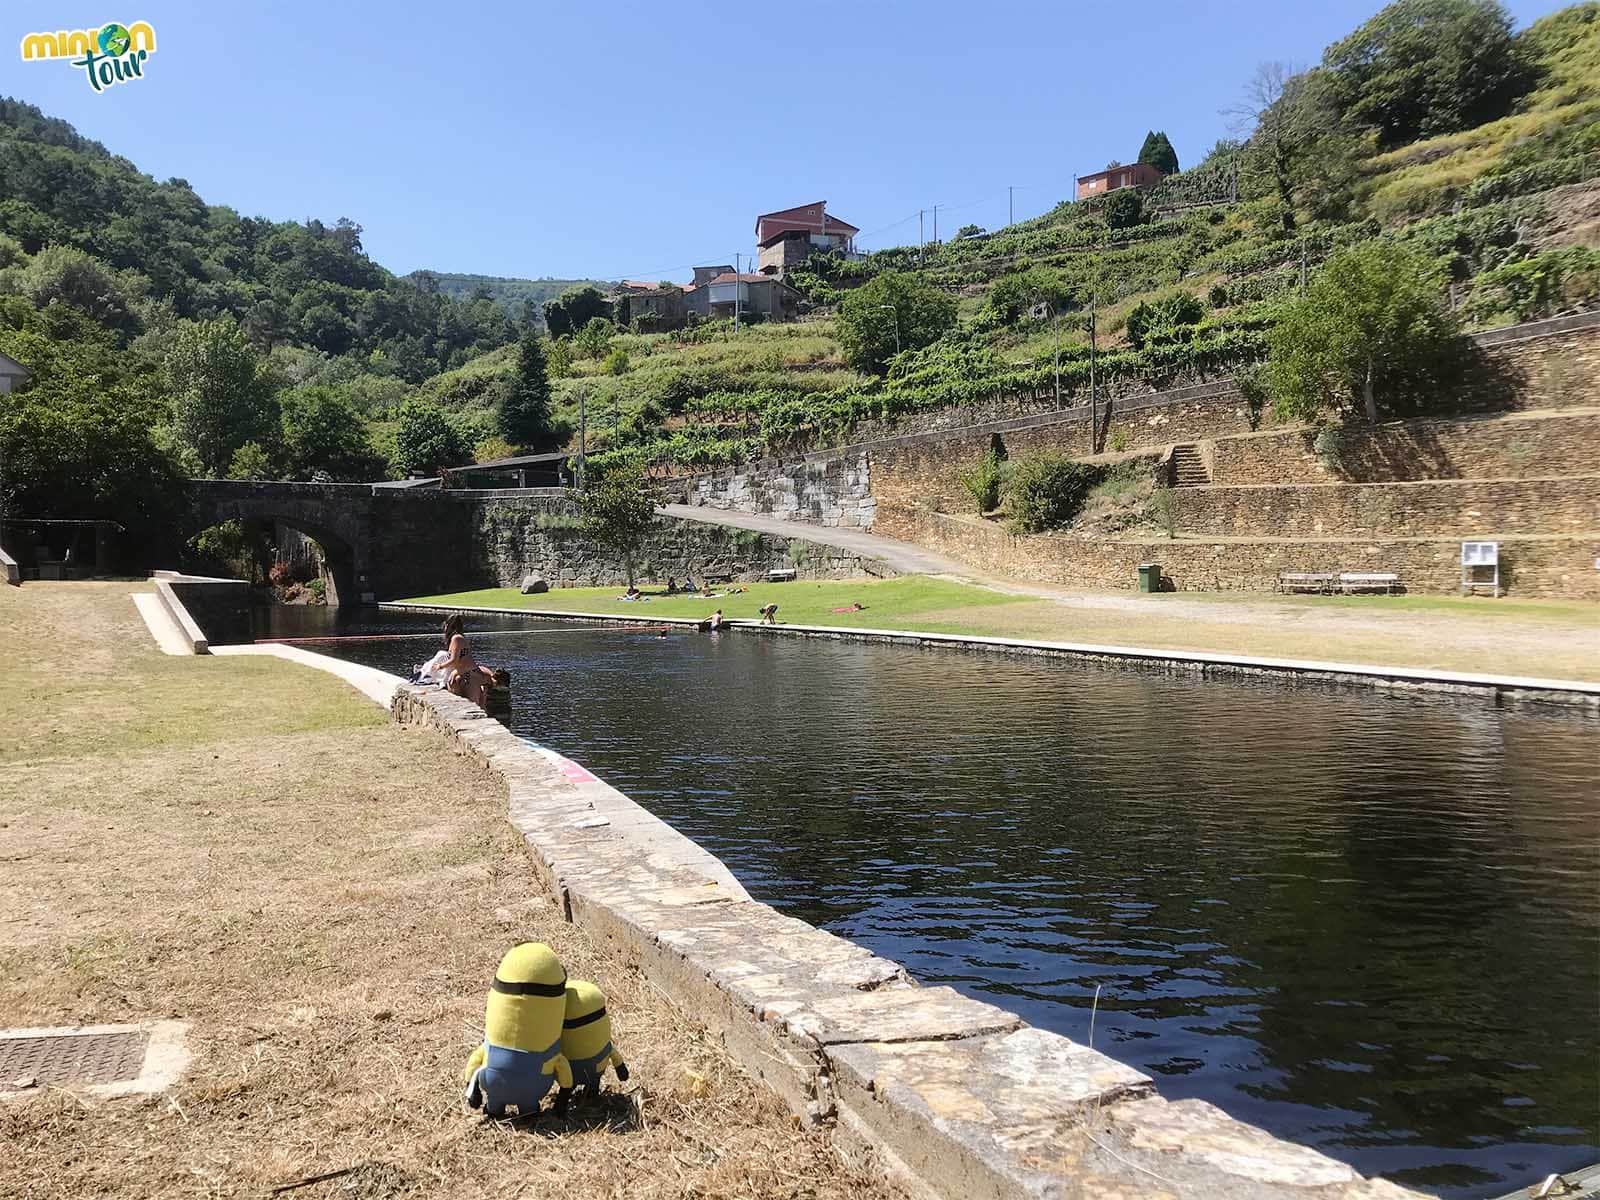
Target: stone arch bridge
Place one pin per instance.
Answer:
(379, 541)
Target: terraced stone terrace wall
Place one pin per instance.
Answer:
(1538, 565)
(1458, 507)
(1513, 446)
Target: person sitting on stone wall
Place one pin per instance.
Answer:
(465, 677)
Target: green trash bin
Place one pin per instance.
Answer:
(1149, 577)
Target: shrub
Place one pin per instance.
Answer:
(616, 362)
(1123, 209)
(983, 482)
(1046, 491)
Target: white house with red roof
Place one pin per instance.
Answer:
(788, 237)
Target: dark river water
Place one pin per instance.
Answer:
(1368, 923)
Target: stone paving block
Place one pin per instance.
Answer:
(1002, 1115)
(1191, 1135)
(900, 1015)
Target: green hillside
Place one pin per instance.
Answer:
(169, 337)
(1185, 282)
(512, 295)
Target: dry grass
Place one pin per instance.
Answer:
(324, 897)
(1481, 636)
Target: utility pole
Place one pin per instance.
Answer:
(935, 224)
(896, 313)
(1011, 207)
(921, 251)
(1056, 321)
(1094, 400)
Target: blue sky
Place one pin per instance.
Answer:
(635, 139)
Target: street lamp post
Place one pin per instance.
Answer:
(1055, 321)
(896, 313)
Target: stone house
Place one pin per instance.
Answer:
(12, 374)
(788, 237)
(764, 296)
(655, 306)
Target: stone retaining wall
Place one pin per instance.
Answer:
(827, 490)
(512, 537)
(1461, 507)
(1496, 447)
(1545, 365)
(1530, 566)
(963, 1097)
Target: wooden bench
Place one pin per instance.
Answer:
(1368, 581)
(1305, 581)
(782, 575)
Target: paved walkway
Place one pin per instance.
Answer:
(902, 556)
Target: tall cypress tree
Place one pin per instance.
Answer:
(1158, 152)
(525, 410)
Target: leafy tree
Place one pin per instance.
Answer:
(323, 435)
(79, 439)
(1425, 67)
(68, 275)
(1299, 151)
(221, 396)
(619, 511)
(967, 231)
(594, 339)
(1123, 208)
(525, 408)
(893, 307)
(1013, 295)
(1158, 152)
(1370, 334)
(251, 461)
(574, 309)
(425, 441)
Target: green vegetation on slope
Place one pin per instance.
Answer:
(1496, 206)
(521, 299)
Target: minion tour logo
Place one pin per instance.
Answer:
(110, 55)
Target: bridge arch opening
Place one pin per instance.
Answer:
(314, 549)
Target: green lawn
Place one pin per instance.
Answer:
(1511, 637)
(887, 602)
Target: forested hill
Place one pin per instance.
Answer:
(511, 294)
(308, 285)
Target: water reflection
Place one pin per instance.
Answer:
(1367, 923)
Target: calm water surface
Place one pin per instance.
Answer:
(1370, 924)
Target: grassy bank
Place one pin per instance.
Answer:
(1506, 636)
(887, 602)
(251, 847)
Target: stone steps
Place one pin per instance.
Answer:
(1189, 467)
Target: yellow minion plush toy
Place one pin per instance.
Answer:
(586, 1036)
(521, 1053)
